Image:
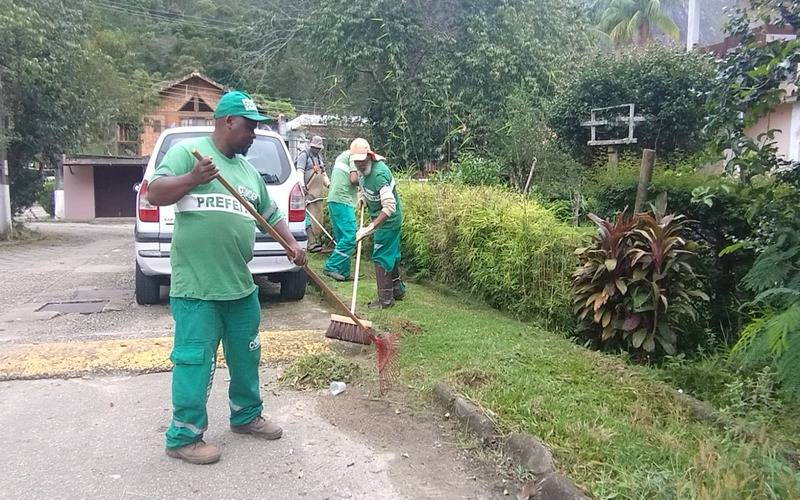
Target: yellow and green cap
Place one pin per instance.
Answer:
(238, 103)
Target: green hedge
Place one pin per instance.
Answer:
(512, 252)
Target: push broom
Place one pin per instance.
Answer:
(342, 327)
(385, 345)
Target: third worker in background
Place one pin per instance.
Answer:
(315, 184)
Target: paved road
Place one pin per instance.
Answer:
(82, 262)
(102, 437)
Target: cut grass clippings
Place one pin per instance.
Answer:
(615, 429)
(317, 371)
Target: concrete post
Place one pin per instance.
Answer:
(58, 191)
(5, 202)
(6, 230)
(613, 158)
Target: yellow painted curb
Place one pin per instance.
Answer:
(146, 355)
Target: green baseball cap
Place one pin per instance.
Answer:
(238, 103)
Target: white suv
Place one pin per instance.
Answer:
(153, 231)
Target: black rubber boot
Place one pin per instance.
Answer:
(385, 298)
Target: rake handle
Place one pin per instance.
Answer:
(272, 232)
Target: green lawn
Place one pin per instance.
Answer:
(615, 429)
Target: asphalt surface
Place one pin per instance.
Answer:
(85, 262)
(101, 436)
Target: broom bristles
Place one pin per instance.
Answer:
(345, 329)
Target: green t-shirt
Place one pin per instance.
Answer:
(380, 179)
(213, 237)
(340, 190)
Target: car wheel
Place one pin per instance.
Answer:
(293, 285)
(148, 288)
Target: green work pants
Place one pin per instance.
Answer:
(343, 221)
(199, 327)
(386, 247)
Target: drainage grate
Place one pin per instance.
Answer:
(80, 307)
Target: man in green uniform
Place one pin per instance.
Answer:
(212, 293)
(380, 195)
(341, 209)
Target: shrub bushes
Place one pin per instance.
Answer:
(636, 287)
(667, 85)
(474, 170)
(714, 227)
(512, 252)
(45, 197)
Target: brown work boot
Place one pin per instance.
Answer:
(385, 298)
(198, 452)
(398, 287)
(259, 427)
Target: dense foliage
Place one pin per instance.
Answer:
(433, 77)
(54, 88)
(512, 252)
(668, 86)
(752, 80)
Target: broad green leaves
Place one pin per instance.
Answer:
(635, 287)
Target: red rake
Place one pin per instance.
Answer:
(385, 345)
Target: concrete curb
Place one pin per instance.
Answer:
(524, 450)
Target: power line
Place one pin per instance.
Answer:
(167, 17)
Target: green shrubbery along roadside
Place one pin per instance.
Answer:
(508, 250)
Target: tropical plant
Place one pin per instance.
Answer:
(774, 333)
(636, 286)
(626, 21)
(689, 191)
(752, 80)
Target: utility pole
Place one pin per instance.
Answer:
(693, 26)
(6, 230)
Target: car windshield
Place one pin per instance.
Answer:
(266, 154)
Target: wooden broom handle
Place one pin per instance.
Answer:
(358, 264)
(262, 222)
